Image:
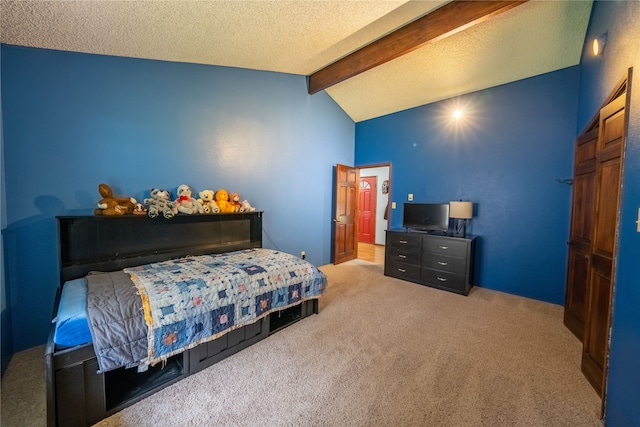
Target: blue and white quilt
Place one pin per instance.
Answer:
(192, 300)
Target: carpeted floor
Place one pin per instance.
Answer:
(381, 352)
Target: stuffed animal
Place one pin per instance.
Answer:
(222, 200)
(246, 207)
(160, 203)
(234, 200)
(185, 203)
(207, 201)
(139, 209)
(111, 205)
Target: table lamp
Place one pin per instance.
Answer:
(460, 212)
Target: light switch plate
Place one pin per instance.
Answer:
(393, 205)
(410, 197)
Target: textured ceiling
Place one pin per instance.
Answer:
(302, 36)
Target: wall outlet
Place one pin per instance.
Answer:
(410, 197)
(303, 255)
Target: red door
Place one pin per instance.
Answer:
(367, 209)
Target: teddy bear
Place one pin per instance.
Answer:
(207, 201)
(160, 203)
(246, 207)
(111, 205)
(234, 200)
(185, 203)
(222, 200)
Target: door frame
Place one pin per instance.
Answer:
(390, 194)
(334, 235)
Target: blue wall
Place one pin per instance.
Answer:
(621, 20)
(6, 343)
(74, 120)
(505, 155)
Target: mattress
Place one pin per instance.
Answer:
(72, 325)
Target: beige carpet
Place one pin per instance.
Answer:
(381, 352)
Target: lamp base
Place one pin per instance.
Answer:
(459, 228)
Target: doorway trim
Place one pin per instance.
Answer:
(387, 211)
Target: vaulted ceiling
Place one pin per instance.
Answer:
(305, 36)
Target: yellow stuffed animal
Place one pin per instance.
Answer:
(222, 200)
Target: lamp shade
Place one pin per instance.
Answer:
(461, 210)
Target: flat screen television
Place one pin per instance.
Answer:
(427, 217)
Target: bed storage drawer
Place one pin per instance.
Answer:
(125, 386)
(74, 385)
(211, 352)
(84, 397)
(283, 318)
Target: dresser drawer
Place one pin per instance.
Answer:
(444, 263)
(443, 279)
(448, 247)
(402, 270)
(404, 243)
(404, 256)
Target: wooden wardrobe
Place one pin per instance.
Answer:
(593, 234)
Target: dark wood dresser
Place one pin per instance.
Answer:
(442, 262)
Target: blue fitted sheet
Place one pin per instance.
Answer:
(72, 326)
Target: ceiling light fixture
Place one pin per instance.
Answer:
(457, 114)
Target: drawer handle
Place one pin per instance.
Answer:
(402, 270)
(403, 241)
(402, 256)
(442, 263)
(444, 247)
(442, 279)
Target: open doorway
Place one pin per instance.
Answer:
(373, 211)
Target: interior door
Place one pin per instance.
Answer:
(345, 220)
(581, 232)
(608, 180)
(367, 209)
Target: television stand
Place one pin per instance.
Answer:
(435, 260)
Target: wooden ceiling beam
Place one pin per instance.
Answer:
(442, 22)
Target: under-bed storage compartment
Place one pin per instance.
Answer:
(84, 397)
(207, 354)
(283, 318)
(126, 385)
(214, 351)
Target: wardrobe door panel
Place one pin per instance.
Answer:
(603, 247)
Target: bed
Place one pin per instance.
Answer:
(145, 302)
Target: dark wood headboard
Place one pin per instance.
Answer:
(109, 243)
